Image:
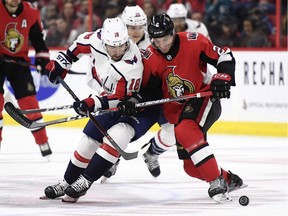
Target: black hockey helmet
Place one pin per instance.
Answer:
(160, 26)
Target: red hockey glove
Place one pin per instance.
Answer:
(58, 67)
(41, 60)
(128, 105)
(220, 86)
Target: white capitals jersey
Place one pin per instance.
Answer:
(110, 79)
(144, 42)
(196, 26)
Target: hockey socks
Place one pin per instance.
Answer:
(72, 173)
(30, 102)
(97, 167)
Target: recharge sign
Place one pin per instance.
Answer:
(44, 87)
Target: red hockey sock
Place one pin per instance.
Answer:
(30, 102)
(191, 170)
(190, 136)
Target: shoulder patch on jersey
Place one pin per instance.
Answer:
(192, 36)
(147, 53)
(135, 59)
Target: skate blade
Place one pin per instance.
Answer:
(47, 158)
(103, 180)
(44, 197)
(238, 188)
(69, 199)
(222, 198)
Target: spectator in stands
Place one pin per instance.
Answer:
(83, 17)
(261, 21)
(149, 9)
(112, 10)
(161, 5)
(70, 16)
(216, 11)
(196, 15)
(98, 8)
(61, 35)
(230, 36)
(253, 37)
(50, 15)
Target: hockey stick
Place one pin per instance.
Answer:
(167, 100)
(125, 155)
(26, 64)
(29, 111)
(18, 116)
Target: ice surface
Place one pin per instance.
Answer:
(260, 161)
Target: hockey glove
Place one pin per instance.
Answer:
(90, 104)
(58, 67)
(41, 60)
(128, 105)
(220, 86)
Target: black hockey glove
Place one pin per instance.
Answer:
(41, 60)
(128, 105)
(84, 106)
(220, 86)
(58, 67)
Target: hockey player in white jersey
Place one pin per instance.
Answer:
(136, 22)
(118, 68)
(178, 14)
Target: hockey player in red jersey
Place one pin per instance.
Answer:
(176, 64)
(20, 22)
(136, 22)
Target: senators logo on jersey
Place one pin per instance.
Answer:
(177, 86)
(13, 40)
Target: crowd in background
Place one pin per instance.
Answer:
(242, 23)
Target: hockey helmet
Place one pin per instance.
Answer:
(177, 10)
(134, 16)
(160, 26)
(114, 32)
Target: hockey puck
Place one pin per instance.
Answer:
(244, 200)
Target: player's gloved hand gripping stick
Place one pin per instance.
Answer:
(125, 155)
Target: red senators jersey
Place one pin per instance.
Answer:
(183, 70)
(17, 29)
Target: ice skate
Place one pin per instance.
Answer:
(152, 163)
(110, 172)
(56, 190)
(45, 150)
(219, 190)
(236, 182)
(79, 187)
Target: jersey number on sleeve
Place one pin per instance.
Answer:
(135, 84)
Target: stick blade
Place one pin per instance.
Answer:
(16, 115)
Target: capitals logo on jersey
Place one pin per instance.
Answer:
(134, 60)
(178, 86)
(13, 39)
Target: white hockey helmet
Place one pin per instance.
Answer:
(134, 16)
(177, 10)
(114, 32)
